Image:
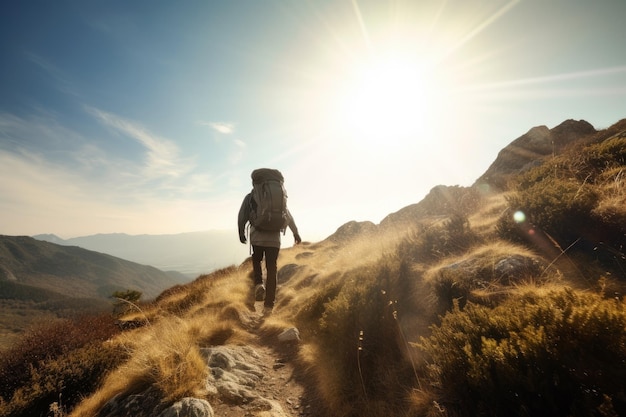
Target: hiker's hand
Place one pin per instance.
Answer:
(297, 238)
(242, 238)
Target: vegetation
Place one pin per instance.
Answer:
(56, 363)
(490, 305)
(557, 354)
(125, 301)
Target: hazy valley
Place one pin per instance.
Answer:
(189, 253)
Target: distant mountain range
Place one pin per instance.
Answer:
(189, 253)
(41, 280)
(76, 272)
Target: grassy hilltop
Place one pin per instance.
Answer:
(501, 299)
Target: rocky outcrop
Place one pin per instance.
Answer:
(352, 230)
(441, 201)
(531, 149)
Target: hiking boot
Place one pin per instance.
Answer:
(259, 292)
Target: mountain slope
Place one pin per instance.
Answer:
(531, 149)
(74, 271)
(189, 253)
(469, 302)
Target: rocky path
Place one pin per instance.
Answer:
(259, 380)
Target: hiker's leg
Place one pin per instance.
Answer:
(257, 257)
(271, 256)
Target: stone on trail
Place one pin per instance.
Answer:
(189, 407)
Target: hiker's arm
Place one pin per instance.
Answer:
(242, 218)
(294, 228)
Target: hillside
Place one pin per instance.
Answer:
(532, 149)
(77, 271)
(501, 299)
(189, 253)
(41, 280)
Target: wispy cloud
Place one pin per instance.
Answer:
(228, 129)
(54, 178)
(163, 156)
(220, 127)
(238, 153)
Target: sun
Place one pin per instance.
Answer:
(391, 100)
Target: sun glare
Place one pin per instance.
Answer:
(390, 100)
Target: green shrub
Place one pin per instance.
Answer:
(563, 354)
(575, 195)
(360, 340)
(600, 157)
(562, 208)
(182, 305)
(430, 244)
(312, 309)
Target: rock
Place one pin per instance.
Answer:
(352, 230)
(286, 272)
(233, 374)
(516, 267)
(289, 335)
(304, 255)
(189, 407)
(143, 404)
(532, 149)
(275, 410)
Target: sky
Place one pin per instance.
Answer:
(148, 116)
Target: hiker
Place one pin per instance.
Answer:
(265, 210)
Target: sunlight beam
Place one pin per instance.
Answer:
(359, 17)
(549, 78)
(494, 17)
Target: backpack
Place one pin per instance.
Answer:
(268, 205)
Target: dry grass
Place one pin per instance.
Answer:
(362, 303)
(165, 354)
(612, 206)
(164, 357)
(485, 219)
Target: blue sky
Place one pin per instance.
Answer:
(148, 116)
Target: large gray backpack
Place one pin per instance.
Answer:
(268, 206)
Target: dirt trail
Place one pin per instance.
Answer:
(281, 391)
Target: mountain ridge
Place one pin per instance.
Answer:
(530, 149)
(63, 268)
(190, 253)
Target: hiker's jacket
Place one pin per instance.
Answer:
(261, 237)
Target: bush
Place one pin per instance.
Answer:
(24, 367)
(430, 244)
(65, 380)
(563, 354)
(600, 157)
(360, 343)
(561, 208)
